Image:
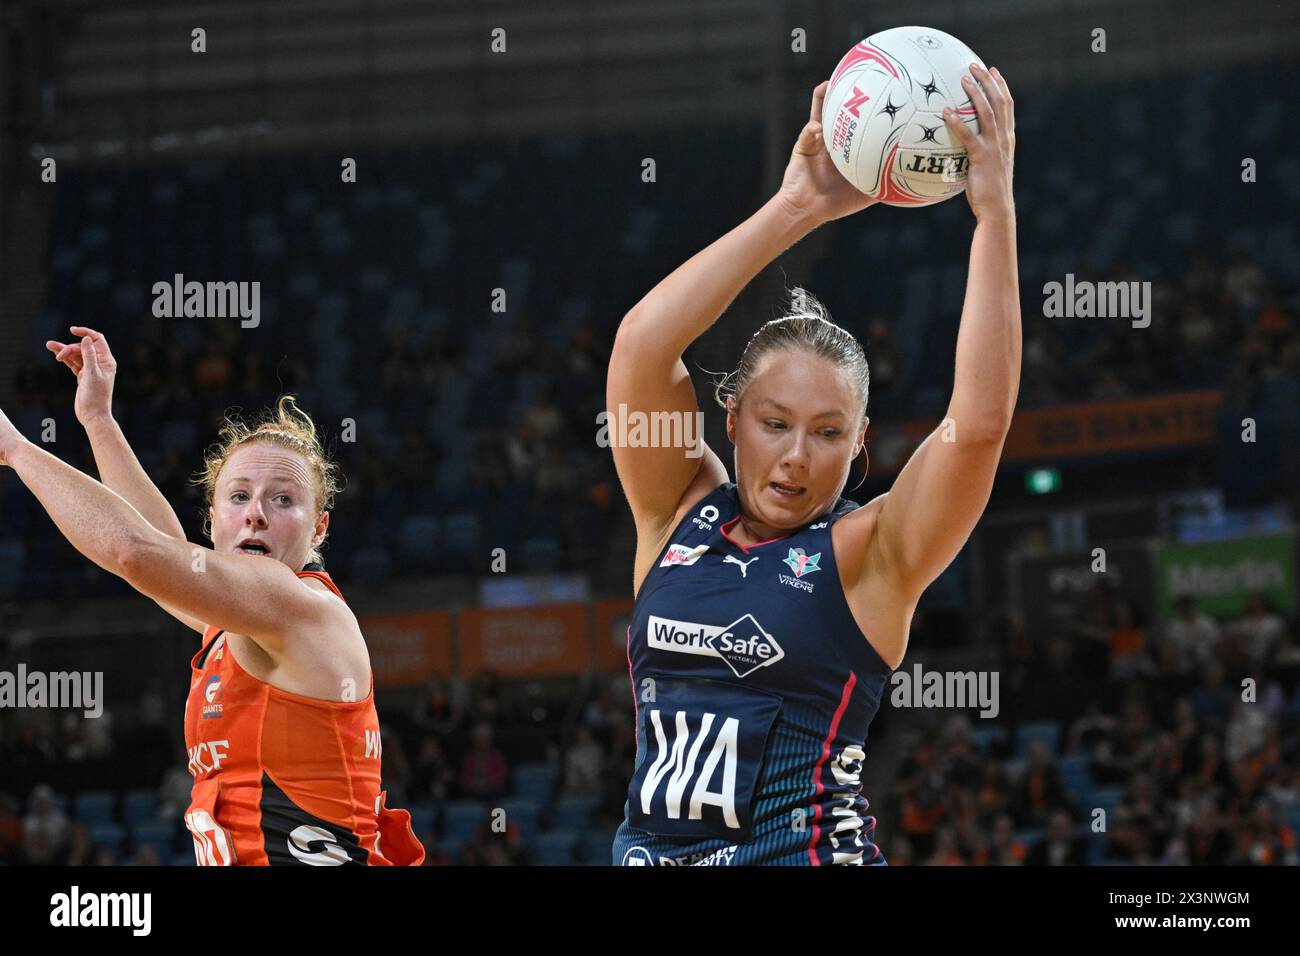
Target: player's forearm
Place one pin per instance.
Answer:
(98, 522)
(987, 377)
(682, 307)
(122, 472)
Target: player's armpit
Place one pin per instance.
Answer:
(189, 621)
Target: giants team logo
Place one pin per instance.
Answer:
(742, 644)
(212, 694)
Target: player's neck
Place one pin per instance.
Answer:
(748, 535)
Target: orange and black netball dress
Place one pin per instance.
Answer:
(280, 778)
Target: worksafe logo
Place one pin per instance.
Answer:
(742, 644)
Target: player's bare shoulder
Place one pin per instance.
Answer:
(333, 608)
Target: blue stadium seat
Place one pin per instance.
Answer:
(1105, 797)
(139, 806)
(522, 814)
(542, 555)
(462, 818)
(573, 813)
(1075, 770)
(461, 534)
(108, 835)
(984, 738)
(555, 849)
(596, 849)
(1048, 732)
(423, 816)
(534, 781)
(452, 847)
(94, 807)
(417, 539)
(371, 566)
(160, 836)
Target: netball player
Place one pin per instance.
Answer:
(770, 611)
(280, 721)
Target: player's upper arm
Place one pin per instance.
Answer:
(650, 399)
(934, 504)
(246, 594)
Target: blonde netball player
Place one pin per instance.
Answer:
(280, 722)
(770, 611)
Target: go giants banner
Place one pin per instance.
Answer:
(1064, 431)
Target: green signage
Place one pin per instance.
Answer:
(1220, 574)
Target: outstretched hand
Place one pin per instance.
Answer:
(812, 185)
(992, 150)
(92, 362)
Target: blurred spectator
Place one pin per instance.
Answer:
(1259, 632)
(584, 765)
(484, 771)
(11, 829)
(1004, 848)
(1040, 791)
(174, 794)
(431, 777)
(45, 828)
(1263, 841)
(492, 846)
(1246, 730)
(435, 711)
(1058, 847)
(1192, 633)
(81, 849)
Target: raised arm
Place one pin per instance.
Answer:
(119, 469)
(933, 506)
(247, 594)
(646, 371)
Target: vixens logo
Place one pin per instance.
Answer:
(801, 563)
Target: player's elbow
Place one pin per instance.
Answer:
(137, 559)
(985, 431)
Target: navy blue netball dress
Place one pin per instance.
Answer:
(753, 689)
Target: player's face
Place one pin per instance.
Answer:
(264, 497)
(796, 430)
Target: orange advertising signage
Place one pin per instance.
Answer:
(525, 641)
(408, 648)
(1065, 431)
